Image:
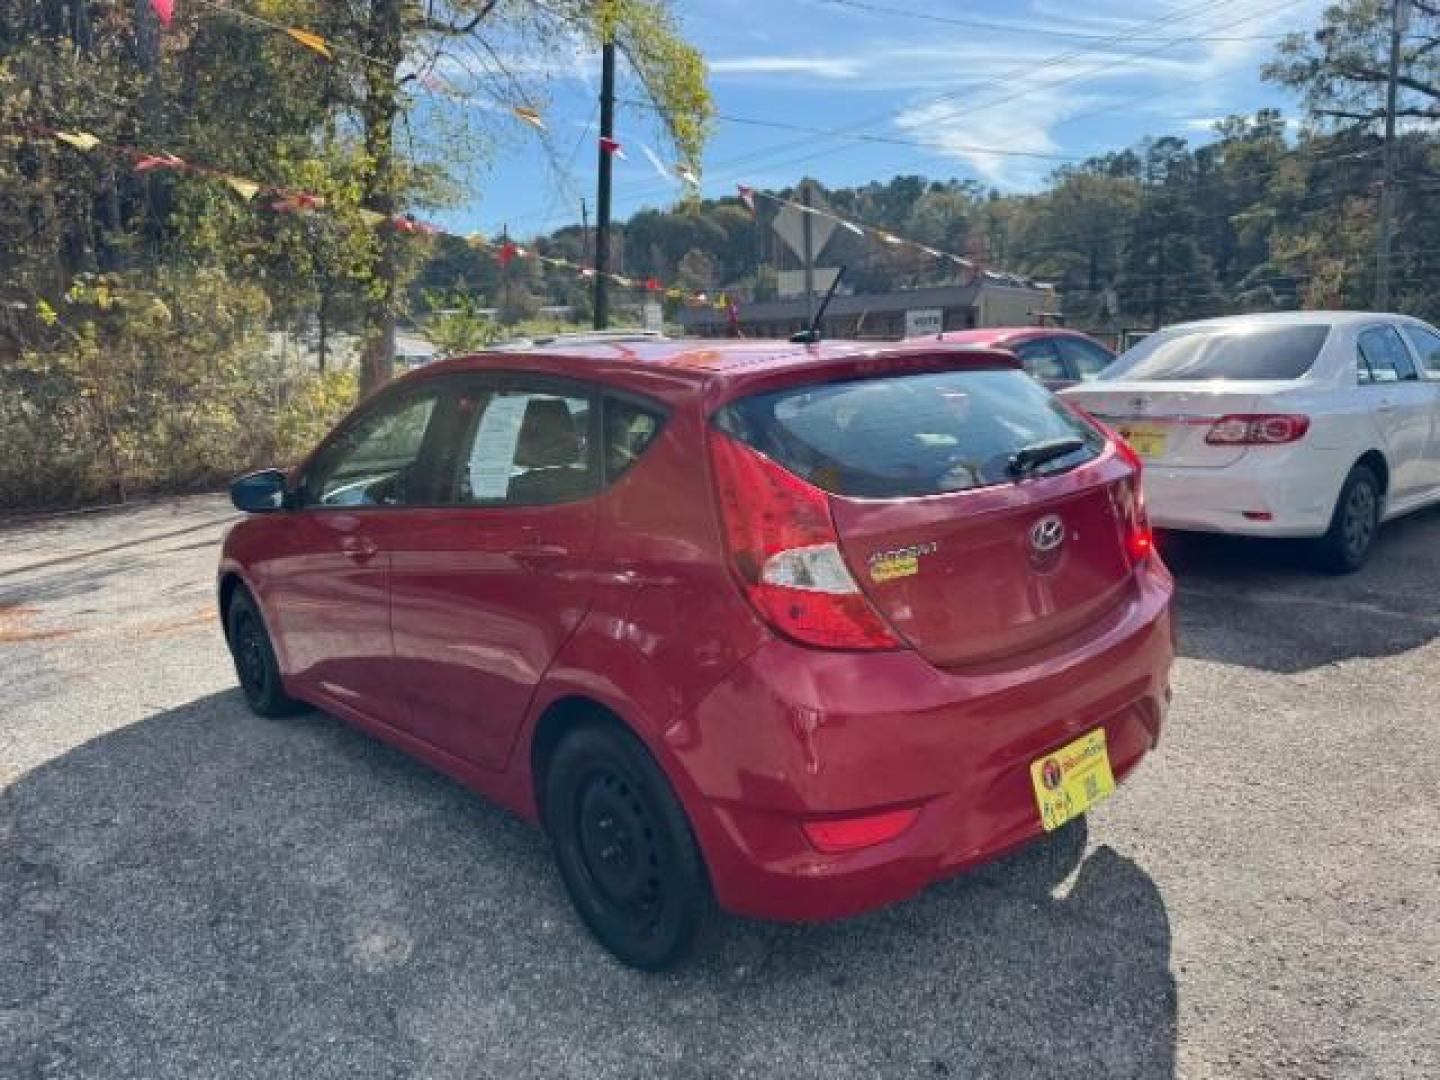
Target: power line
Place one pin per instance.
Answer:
(1003, 79)
(1028, 30)
(754, 159)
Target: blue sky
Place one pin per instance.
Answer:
(1006, 102)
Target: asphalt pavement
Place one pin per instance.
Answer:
(189, 891)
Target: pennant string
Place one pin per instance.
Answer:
(505, 253)
(749, 194)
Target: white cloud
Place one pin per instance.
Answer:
(994, 142)
(810, 66)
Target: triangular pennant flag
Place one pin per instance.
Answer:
(623, 282)
(530, 116)
(298, 202)
(164, 11)
(80, 140)
(370, 218)
(311, 41)
(652, 284)
(889, 238)
(507, 253)
(246, 189)
(747, 196)
(158, 161)
(612, 147)
(686, 173)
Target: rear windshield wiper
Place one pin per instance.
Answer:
(1029, 458)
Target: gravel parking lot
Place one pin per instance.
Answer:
(189, 891)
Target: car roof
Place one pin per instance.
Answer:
(999, 335)
(1293, 318)
(720, 367)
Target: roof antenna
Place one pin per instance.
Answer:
(812, 335)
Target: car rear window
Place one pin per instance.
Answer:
(908, 435)
(1228, 352)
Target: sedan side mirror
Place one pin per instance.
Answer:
(259, 492)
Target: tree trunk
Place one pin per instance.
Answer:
(322, 318)
(384, 42)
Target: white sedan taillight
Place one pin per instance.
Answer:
(1257, 429)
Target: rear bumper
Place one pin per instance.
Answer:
(1296, 488)
(796, 734)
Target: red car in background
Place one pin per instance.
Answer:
(791, 631)
(1052, 355)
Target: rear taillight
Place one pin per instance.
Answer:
(786, 553)
(1257, 429)
(1139, 536)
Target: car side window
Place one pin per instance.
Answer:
(1427, 347)
(376, 460)
(1041, 360)
(1383, 357)
(1086, 358)
(629, 431)
(525, 447)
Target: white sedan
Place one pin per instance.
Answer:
(1303, 424)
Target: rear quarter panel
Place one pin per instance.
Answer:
(667, 621)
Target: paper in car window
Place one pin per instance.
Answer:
(492, 458)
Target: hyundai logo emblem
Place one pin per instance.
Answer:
(1047, 534)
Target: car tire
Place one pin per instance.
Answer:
(625, 849)
(1346, 545)
(255, 665)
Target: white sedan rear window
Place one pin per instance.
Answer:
(1221, 352)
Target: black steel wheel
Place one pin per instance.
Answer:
(625, 848)
(255, 665)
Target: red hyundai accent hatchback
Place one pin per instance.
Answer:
(792, 630)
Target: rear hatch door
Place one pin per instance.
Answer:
(966, 560)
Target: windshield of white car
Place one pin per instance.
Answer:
(1221, 352)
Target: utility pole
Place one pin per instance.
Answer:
(584, 231)
(808, 233)
(602, 212)
(1387, 181)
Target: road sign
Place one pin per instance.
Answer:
(789, 225)
(921, 322)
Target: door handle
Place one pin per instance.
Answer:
(358, 548)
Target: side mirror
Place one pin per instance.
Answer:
(259, 492)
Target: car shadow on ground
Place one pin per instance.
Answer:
(1262, 604)
(207, 893)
